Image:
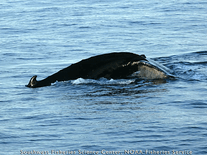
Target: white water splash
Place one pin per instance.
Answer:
(102, 81)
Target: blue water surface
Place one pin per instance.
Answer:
(73, 117)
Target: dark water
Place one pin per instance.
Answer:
(144, 117)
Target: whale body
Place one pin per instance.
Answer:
(111, 66)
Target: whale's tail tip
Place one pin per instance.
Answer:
(32, 82)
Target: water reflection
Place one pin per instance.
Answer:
(107, 94)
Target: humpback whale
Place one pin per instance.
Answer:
(111, 66)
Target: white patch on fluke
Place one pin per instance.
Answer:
(147, 72)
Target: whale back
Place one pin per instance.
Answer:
(111, 66)
(106, 65)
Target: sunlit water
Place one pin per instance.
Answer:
(127, 116)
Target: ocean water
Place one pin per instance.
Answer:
(105, 117)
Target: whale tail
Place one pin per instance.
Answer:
(32, 83)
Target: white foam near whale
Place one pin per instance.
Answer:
(103, 81)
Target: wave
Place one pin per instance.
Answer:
(190, 66)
